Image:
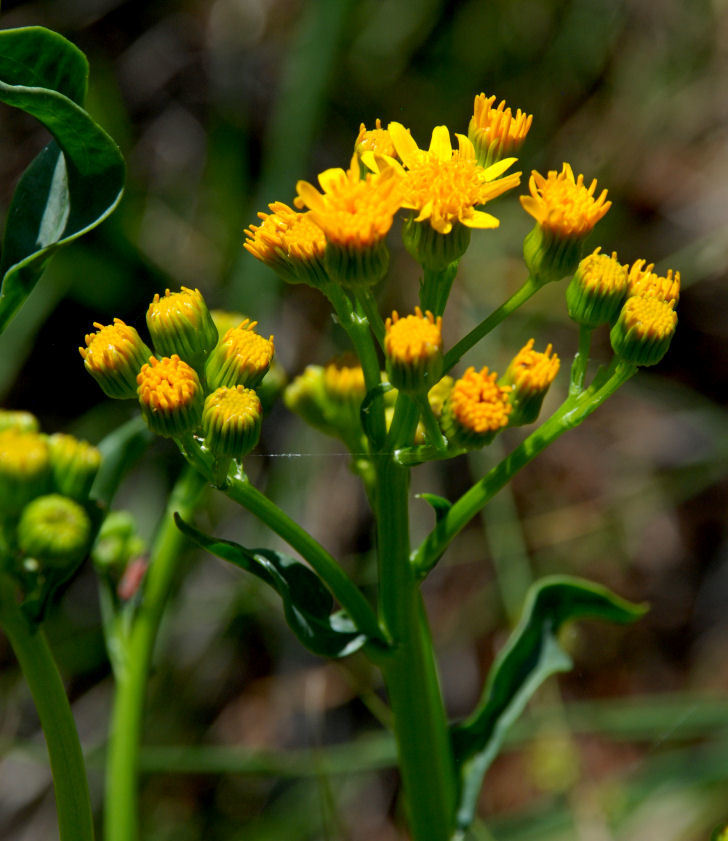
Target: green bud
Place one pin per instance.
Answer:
(55, 531)
(433, 250)
(180, 323)
(74, 465)
(22, 421)
(644, 330)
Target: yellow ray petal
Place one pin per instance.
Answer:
(440, 144)
(497, 169)
(480, 219)
(408, 151)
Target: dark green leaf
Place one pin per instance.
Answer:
(306, 601)
(365, 412)
(530, 656)
(75, 182)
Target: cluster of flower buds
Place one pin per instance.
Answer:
(201, 379)
(45, 483)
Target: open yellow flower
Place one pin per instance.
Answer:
(445, 185)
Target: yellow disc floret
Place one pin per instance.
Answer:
(291, 243)
(241, 358)
(113, 356)
(170, 396)
(496, 132)
(646, 283)
(644, 330)
(564, 205)
(476, 408)
(413, 345)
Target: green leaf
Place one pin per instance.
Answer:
(75, 182)
(530, 656)
(120, 450)
(306, 601)
(439, 504)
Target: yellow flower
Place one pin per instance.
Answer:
(376, 140)
(113, 356)
(644, 330)
(170, 396)
(413, 345)
(180, 322)
(476, 409)
(564, 205)
(495, 132)
(242, 357)
(291, 243)
(25, 470)
(446, 186)
(598, 289)
(644, 282)
(530, 373)
(344, 379)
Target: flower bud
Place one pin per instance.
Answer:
(242, 357)
(476, 409)
(180, 323)
(74, 465)
(22, 421)
(55, 531)
(494, 132)
(117, 543)
(114, 356)
(644, 330)
(597, 291)
(306, 396)
(24, 469)
(643, 281)
(530, 375)
(413, 346)
(170, 396)
(231, 421)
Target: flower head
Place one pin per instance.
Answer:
(530, 374)
(496, 132)
(344, 379)
(644, 330)
(597, 290)
(54, 530)
(646, 283)
(564, 205)
(22, 421)
(24, 469)
(446, 186)
(170, 396)
(74, 465)
(113, 356)
(291, 243)
(180, 322)
(476, 409)
(413, 345)
(242, 357)
(231, 421)
(376, 140)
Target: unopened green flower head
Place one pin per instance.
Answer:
(476, 409)
(496, 132)
(74, 465)
(55, 531)
(530, 375)
(231, 421)
(566, 211)
(180, 322)
(597, 291)
(22, 421)
(242, 357)
(118, 542)
(114, 356)
(413, 346)
(170, 396)
(25, 470)
(644, 330)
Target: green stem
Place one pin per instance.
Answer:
(432, 427)
(435, 288)
(343, 589)
(371, 311)
(410, 673)
(75, 819)
(121, 821)
(570, 414)
(581, 360)
(453, 356)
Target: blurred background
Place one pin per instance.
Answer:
(219, 108)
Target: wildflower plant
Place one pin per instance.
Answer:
(396, 400)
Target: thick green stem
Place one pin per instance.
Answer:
(436, 286)
(420, 724)
(75, 819)
(571, 413)
(578, 368)
(121, 821)
(529, 288)
(368, 305)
